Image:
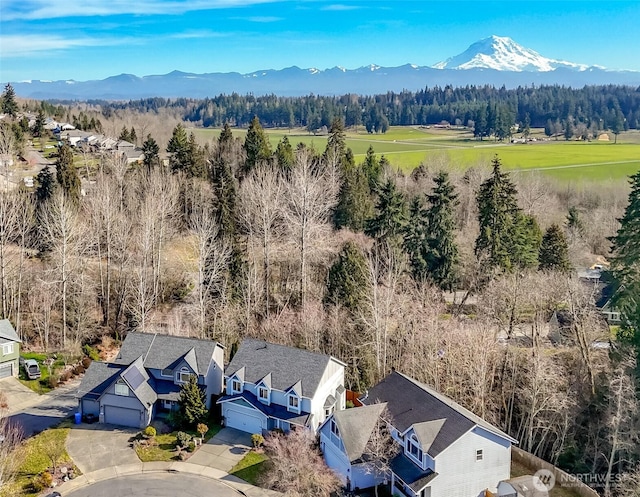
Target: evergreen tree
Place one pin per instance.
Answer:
(284, 154)
(373, 169)
(179, 149)
(625, 269)
(415, 239)
(38, 127)
(390, 219)
(133, 136)
(347, 283)
(442, 255)
(195, 167)
(573, 220)
(124, 134)
(66, 173)
(525, 241)
(355, 206)
(256, 146)
(554, 252)
(46, 185)
(192, 407)
(497, 213)
(151, 152)
(9, 104)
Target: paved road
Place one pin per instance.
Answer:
(156, 485)
(49, 410)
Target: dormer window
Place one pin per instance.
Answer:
(122, 388)
(236, 386)
(263, 393)
(413, 449)
(293, 403)
(183, 375)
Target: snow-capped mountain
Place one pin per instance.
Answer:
(503, 54)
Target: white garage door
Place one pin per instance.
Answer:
(121, 416)
(242, 420)
(6, 370)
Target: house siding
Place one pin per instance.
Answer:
(214, 376)
(12, 357)
(109, 398)
(460, 459)
(332, 378)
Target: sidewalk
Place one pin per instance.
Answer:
(154, 467)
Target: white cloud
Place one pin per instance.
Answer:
(47, 9)
(202, 33)
(340, 7)
(25, 45)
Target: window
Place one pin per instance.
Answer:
(414, 449)
(122, 389)
(334, 428)
(183, 375)
(167, 372)
(294, 403)
(479, 455)
(236, 386)
(7, 348)
(263, 393)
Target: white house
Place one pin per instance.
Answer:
(271, 386)
(445, 450)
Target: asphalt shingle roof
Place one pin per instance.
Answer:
(287, 365)
(273, 410)
(356, 426)
(412, 403)
(7, 331)
(165, 351)
(98, 377)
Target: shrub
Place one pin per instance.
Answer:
(149, 432)
(86, 362)
(91, 352)
(182, 439)
(349, 404)
(174, 419)
(42, 481)
(202, 429)
(257, 440)
(65, 376)
(53, 380)
(191, 447)
(79, 369)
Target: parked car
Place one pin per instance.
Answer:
(31, 368)
(54, 494)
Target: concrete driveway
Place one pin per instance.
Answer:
(18, 396)
(224, 450)
(97, 446)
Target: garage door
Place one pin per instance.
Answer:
(121, 416)
(6, 370)
(240, 419)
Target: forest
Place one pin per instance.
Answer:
(463, 279)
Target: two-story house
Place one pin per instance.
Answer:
(146, 376)
(444, 449)
(269, 386)
(9, 350)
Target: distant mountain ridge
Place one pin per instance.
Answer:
(497, 61)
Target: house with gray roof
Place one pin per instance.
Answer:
(146, 376)
(269, 386)
(9, 349)
(444, 448)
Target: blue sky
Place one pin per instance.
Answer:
(94, 39)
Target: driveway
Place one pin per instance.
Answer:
(224, 450)
(35, 413)
(97, 446)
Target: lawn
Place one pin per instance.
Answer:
(36, 460)
(41, 385)
(165, 445)
(250, 467)
(407, 147)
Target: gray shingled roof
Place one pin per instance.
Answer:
(97, 378)
(287, 365)
(272, 410)
(412, 403)
(165, 351)
(355, 426)
(7, 331)
(142, 390)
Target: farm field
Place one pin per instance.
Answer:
(407, 147)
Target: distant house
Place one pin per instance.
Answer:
(133, 155)
(146, 376)
(9, 350)
(271, 386)
(445, 450)
(522, 486)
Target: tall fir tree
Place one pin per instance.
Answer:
(390, 218)
(256, 146)
(355, 206)
(284, 155)
(46, 185)
(554, 251)
(442, 255)
(192, 408)
(66, 173)
(348, 280)
(415, 239)
(525, 241)
(178, 148)
(373, 169)
(625, 269)
(151, 152)
(8, 101)
(497, 214)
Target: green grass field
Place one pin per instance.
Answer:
(407, 147)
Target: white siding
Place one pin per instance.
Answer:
(332, 378)
(460, 475)
(213, 379)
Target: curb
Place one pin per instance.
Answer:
(240, 486)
